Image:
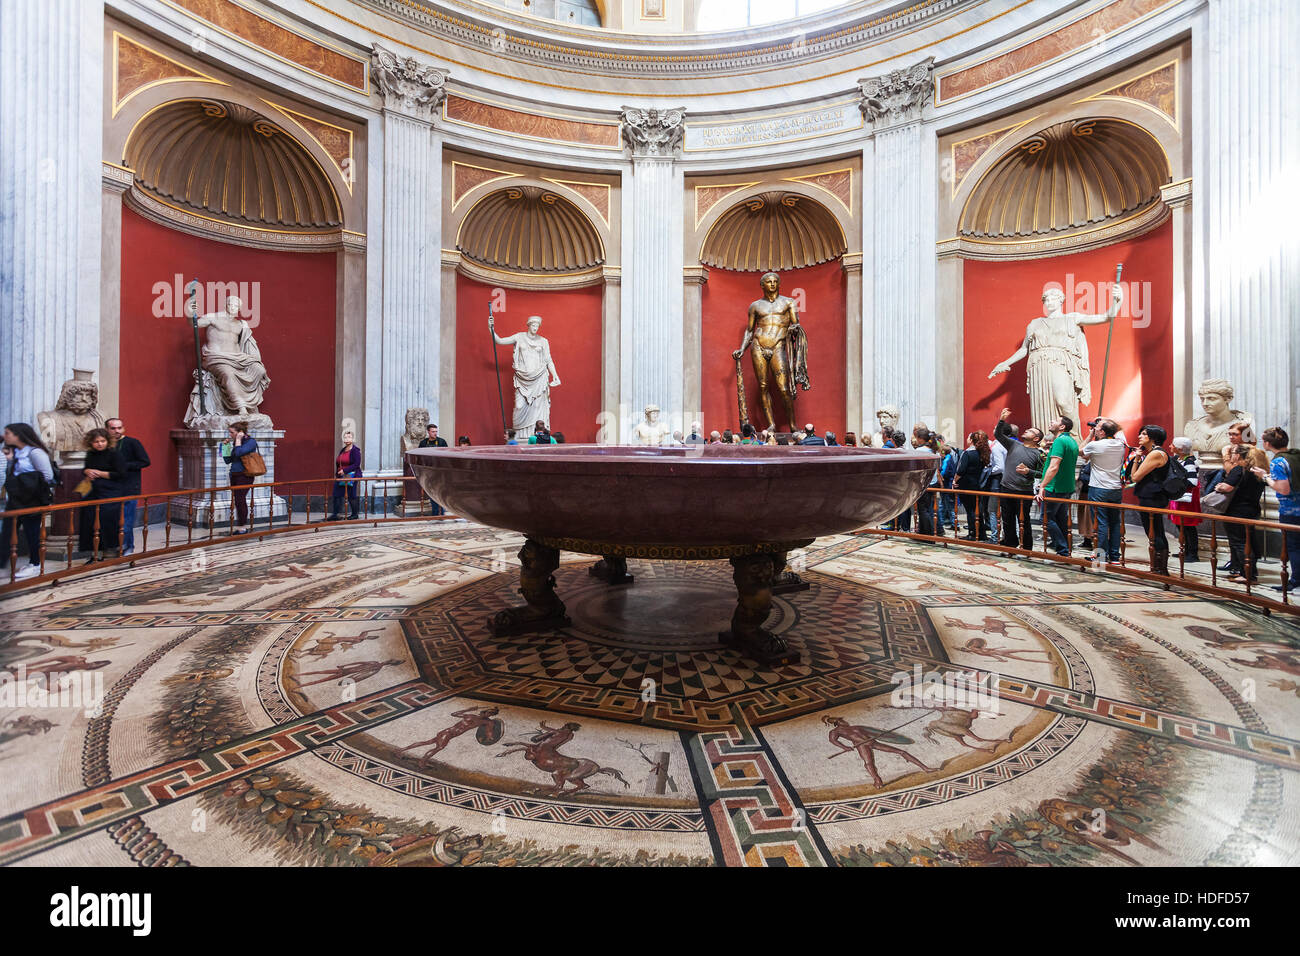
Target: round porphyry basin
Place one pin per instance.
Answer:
(702, 495)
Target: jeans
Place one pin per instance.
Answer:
(30, 527)
(1292, 540)
(925, 514)
(240, 494)
(903, 522)
(1154, 524)
(947, 510)
(109, 516)
(1057, 512)
(1110, 521)
(1237, 547)
(990, 506)
(1017, 529)
(128, 522)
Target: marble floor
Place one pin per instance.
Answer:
(335, 698)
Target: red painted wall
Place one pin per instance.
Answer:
(295, 333)
(726, 300)
(1001, 298)
(571, 320)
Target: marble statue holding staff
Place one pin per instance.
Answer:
(533, 365)
(1057, 367)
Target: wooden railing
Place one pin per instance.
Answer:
(1250, 595)
(177, 536)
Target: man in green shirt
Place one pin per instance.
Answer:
(1057, 487)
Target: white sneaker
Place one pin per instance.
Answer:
(31, 571)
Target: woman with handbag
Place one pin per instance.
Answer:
(1149, 487)
(1246, 489)
(25, 454)
(347, 464)
(103, 476)
(971, 468)
(234, 451)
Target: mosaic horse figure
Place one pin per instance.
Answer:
(542, 750)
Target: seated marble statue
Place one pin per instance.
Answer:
(234, 380)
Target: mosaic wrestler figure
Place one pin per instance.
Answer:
(779, 347)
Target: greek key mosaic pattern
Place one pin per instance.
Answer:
(341, 701)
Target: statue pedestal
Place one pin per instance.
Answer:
(63, 524)
(201, 467)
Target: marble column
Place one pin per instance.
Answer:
(693, 279)
(1248, 204)
(852, 266)
(447, 380)
(51, 130)
(650, 347)
(899, 187)
(611, 302)
(115, 181)
(411, 339)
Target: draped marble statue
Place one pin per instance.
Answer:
(1059, 379)
(233, 377)
(533, 366)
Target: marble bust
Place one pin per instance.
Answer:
(234, 379)
(63, 429)
(417, 426)
(651, 431)
(1209, 433)
(888, 417)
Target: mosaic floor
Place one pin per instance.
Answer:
(335, 698)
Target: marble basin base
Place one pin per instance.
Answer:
(749, 505)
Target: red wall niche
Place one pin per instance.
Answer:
(571, 321)
(726, 300)
(1002, 298)
(295, 334)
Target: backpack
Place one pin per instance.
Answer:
(1177, 483)
(1292, 457)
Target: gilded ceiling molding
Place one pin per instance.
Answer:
(406, 85)
(775, 230)
(225, 161)
(529, 230)
(1129, 227)
(1156, 89)
(708, 196)
(837, 182)
(466, 177)
(898, 96)
(334, 141)
(1070, 176)
(265, 33)
(589, 51)
(209, 227)
(598, 194)
(537, 126)
(963, 155)
(1029, 55)
(137, 68)
(651, 133)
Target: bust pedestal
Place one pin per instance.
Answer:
(201, 467)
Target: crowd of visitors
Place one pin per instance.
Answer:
(1050, 469)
